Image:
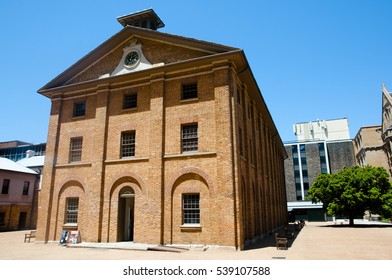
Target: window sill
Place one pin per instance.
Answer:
(128, 110)
(74, 164)
(189, 100)
(191, 154)
(126, 159)
(75, 118)
(70, 226)
(191, 228)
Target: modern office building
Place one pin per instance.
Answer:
(161, 139)
(323, 146)
(17, 150)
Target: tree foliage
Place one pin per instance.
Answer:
(353, 190)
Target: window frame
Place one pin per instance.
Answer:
(77, 111)
(71, 210)
(75, 153)
(129, 104)
(130, 146)
(191, 212)
(26, 187)
(189, 140)
(6, 187)
(189, 91)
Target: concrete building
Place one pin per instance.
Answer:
(161, 139)
(333, 130)
(322, 147)
(16, 196)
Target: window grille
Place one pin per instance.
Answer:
(189, 91)
(76, 149)
(72, 210)
(189, 138)
(128, 144)
(191, 208)
(79, 109)
(130, 101)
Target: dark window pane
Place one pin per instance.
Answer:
(79, 109)
(189, 91)
(191, 209)
(130, 101)
(128, 144)
(189, 138)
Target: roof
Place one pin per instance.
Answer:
(32, 161)
(9, 165)
(102, 50)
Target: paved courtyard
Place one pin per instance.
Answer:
(316, 241)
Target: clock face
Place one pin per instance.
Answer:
(132, 58)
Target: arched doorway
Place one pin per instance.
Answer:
(126, 211)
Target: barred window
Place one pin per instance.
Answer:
(189, 138)
(130, 101)
(26, 187)
(191, 208)
(128, 144)
(76, 149)
(72, 210)
(79, 109)
(189, 91)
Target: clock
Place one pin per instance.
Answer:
(132, 58)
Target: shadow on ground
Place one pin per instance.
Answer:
(291, 233)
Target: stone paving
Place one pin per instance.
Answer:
(316, 241)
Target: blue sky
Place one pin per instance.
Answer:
(311, 59)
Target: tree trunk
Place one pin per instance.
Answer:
(351, 221)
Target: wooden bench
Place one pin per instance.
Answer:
(30, 235)
(288, 233)
(281, 242)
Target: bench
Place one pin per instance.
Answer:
(288, 233)
(281, 242)
(30, 235)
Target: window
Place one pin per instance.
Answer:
(6, 185)
(189, 91)
(2, 218)
(189, 138)
(130, 101)
(191, 208)
(72, 210)
(79, 109)
(323, 158)
(76, 149)
(26, 188)
(128, 144)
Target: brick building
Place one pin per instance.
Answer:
(373, 144)
(157, 138)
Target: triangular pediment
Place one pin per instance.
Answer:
(131, 50)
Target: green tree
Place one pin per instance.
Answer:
(353, 190)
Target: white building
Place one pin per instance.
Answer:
(328, 130)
